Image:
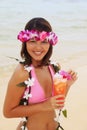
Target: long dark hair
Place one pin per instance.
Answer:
(39, 24)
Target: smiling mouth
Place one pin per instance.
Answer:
(37, 53)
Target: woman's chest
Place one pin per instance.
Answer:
(45, 80)
(43, 85)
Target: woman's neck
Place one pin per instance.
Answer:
(36, 64)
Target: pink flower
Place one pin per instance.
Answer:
(65, 74)
(52, 38)
(26, 35)
(43, 35)
(23, 36)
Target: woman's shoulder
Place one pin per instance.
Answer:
(19, 69)
(20, 73)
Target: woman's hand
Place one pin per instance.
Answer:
(55, 102)
(58, 101)
(73, 77)
(71, 81)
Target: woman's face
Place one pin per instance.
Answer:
(37, 49)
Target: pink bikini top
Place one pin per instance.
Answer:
(37, 91)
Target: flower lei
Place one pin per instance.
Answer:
(26, 35)
(24, 101)
(30, 82)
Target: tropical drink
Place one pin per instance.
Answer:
(59, 86)
(60, 82)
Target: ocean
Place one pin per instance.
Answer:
(67, 17)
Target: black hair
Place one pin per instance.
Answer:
(39, 24)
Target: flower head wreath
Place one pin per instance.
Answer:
(26, 35)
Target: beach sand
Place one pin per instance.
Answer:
(76, 104)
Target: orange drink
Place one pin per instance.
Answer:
(60, 87)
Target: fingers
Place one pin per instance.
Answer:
(73, 74)
(58, 101)
(59, 96)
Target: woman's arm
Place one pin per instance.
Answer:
(14, 95)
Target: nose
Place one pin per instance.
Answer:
(38, 45)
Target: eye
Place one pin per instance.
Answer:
(32, 41)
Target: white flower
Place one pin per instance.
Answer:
(28, 68)
(27, 95)
(29, 82)
(54, 63)
(25, 103)
(22, 127)
(57, 75)
(23, 119)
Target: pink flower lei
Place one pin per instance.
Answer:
(26, 35)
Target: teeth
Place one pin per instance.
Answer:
(37, 52)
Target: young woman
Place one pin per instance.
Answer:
(30, 90)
